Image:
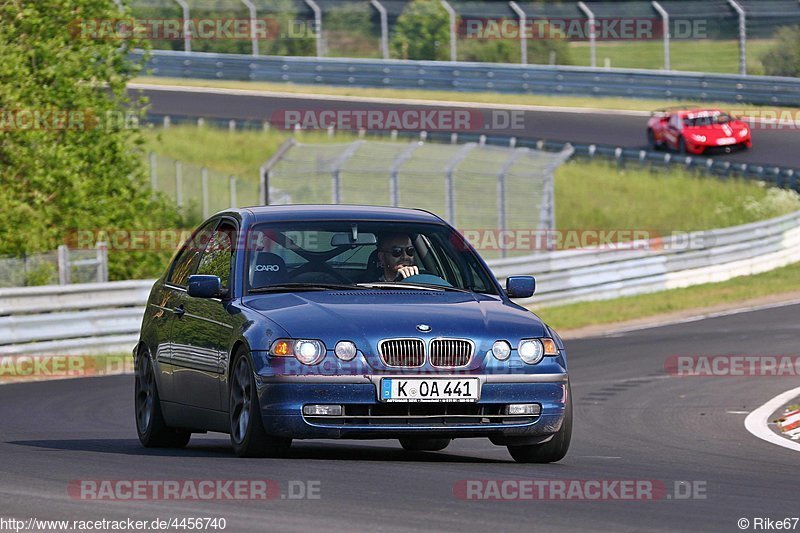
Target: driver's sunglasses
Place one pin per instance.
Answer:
(397, 251)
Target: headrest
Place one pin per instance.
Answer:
(269, 269)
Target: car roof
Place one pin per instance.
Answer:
(298, 212)
(699, 112)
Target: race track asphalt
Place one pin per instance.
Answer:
(771, 145)
(633, 421)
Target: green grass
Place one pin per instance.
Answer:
(695, 55)
(564, 317)
(629, 104)
(601, 196)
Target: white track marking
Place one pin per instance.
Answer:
(756, 422)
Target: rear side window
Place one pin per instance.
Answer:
(185, 264)
(216, 260)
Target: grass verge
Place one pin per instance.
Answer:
(578, 315)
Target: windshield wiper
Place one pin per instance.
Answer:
(410, 286)
(290, 287)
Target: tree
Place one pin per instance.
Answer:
(783, 59)
(422, 31)
(70, 150)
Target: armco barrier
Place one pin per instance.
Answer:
(493, 77)
(106, 317)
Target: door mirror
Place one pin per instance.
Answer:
(202, 286)
(520, 286)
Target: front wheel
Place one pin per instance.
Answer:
(248, 436)
(553, 450)
(150, 426)
(424, 445)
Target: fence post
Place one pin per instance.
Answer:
(667, 36)
(452, 14)
(317, 26)
(63, 265)
(253, 16)
(523, 37)
(102, 262)
(384, 27)
(394, 172)
(178, 183)
(232, 191)
(204, 190)
(187, 35)
(449, 191)
(592, 33)
(336, 173)
(742, 36)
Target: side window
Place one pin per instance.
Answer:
(187, 260)
(675, 122)
(216, 260)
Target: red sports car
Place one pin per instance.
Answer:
(697, 131)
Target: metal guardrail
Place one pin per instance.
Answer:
(105, 317)
(494, 77)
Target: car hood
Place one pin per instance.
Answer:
(368, 316)
(716, 131)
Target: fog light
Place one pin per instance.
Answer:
(523, 409)
(322, 410)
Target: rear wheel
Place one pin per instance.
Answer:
(551, 451)
(248, 436)
(651, 140)
(424, 445)
(150, 426)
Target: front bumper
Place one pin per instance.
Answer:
(282, 399)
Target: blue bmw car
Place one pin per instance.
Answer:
(345, 322)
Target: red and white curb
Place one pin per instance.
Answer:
(789, 424)
(756, 422)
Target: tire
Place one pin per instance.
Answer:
(651, 140)
(681, 146)
(551, 451)
(248, 436)
(424, 445)
(150, 426)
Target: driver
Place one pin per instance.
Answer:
(396, 257)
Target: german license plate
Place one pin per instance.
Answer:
(430, 390)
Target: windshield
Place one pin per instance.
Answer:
(331, 255)
(707, 120)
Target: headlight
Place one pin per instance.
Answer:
(744, 132)
(531, 351)
(308, 352)
(345, 350)
(699, 138)
(501, 350)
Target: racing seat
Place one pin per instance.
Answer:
(269, 269)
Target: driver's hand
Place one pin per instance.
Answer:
(407, 271)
